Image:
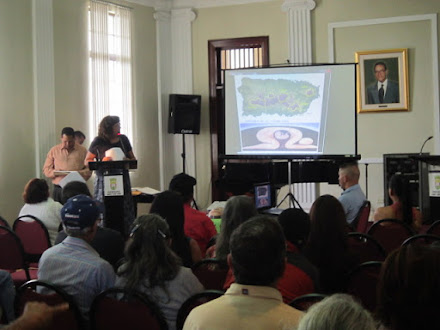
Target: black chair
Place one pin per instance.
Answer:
(434, 229)
(362, 282)
(52, 295)
(425, 239)
(365, 247)
(194, 301)
(360, 223)
(211, 273)
(390, 233)
(117, 308)
(304, 302)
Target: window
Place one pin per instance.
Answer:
(110, 85)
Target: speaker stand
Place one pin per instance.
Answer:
(183, 154)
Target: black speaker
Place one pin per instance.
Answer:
(184, 115)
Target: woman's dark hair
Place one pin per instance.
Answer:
(237, 210)
(409, 288)
(74, 188)
(296, 226)
(400, 188)
(149, 261)
(35, 191)
(105, 130)
(327, 245)
(169, 205)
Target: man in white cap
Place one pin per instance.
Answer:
(73, 264)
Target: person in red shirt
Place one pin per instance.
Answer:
(197, 225)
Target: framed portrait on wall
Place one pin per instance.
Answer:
(382, 80)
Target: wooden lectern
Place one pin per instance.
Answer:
(116, 195)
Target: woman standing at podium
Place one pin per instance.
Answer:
(109, 136)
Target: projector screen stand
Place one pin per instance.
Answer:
(292, 199)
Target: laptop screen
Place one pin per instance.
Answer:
(263, 196)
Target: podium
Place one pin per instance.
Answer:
(114, 190)
(429, 187)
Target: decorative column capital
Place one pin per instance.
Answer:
(184, 14)
(298, 5)
(162, 16)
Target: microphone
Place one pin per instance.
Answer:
(421, 149)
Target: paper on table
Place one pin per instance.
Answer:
(60, 173)
(72, 176)
(216, 204)
(146, 190)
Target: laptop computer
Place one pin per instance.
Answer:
(264, 199)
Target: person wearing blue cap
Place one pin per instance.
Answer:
(73, 264)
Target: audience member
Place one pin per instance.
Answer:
(37, 316)
(107, 242)
(238, 209)
(66, 156)
(73, 264)
(79, 137)
(40, 205)
(339, 311)
(197, 224)
(327, 246)
(300, 276)
(352, 197)
(7, 295)
(400, 193)
(153, 268)
(169, 205)
(409, 289)
(257, 258)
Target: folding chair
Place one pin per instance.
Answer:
(304, 302)
(390, 233)
(211, 273)
(365, 247)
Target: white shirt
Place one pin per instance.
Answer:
(49, 212)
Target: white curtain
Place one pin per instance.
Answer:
(110, 65)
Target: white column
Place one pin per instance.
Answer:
(300, 52)
(44, 81)
(175, 75)
(300, 34)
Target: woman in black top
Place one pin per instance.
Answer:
(109, 136)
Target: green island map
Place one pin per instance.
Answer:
(276, 96)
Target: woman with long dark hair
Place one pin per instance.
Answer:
(327, 246)
(169, 205)
(400, 193)
(152, 267)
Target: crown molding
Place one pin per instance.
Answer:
(176, 4)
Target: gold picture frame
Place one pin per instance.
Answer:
(382, 80)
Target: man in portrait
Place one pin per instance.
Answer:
(383, 90)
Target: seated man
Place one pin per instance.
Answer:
(197, 224)
(73, 264)
(257, 257)
(352, 197)
(107, 242)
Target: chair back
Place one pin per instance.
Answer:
(390, 233)
(424, 239)
(362, 282)
(66, 320)
(434, 229)
(304, 302)
(360, 223)
(211, 273)
(4, 223)
(194, 301)
(365, 247)
(117, 308)
(33, 235)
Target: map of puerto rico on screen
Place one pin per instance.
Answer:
(280, 114)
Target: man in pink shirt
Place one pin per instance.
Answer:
(66, 156)
(197, 224)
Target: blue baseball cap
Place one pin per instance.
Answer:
(79, 212)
